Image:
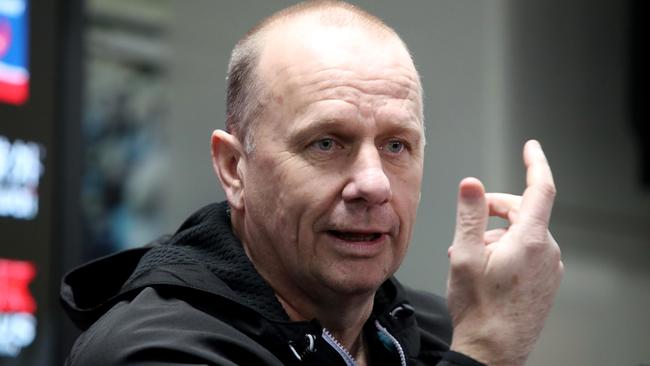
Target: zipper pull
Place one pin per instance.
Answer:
(301, 348)
(402, 311)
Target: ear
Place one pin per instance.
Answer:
(227, 160)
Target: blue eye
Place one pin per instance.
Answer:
(325, 144)
(395, 146)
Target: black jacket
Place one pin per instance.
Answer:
(195, 299)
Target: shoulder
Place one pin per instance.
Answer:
(152, 328)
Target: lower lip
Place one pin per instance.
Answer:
(359, 248)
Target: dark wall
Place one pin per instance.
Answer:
(639, 80)
(50, 119)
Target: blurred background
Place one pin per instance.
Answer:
(106, 109)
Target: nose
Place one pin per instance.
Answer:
(368, 181)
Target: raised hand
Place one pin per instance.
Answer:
(502, 282)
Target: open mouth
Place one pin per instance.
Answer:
(350, 236)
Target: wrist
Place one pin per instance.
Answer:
(489, 350)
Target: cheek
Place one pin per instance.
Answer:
(406, 185)
(291, 194)
(312, 198)
(265, 195)
(406, 189)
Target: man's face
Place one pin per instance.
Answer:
(332, 187)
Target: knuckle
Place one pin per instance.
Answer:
(543, 247)
(548, 189)
(468, 220)
(469, 230)
(555, 247)
(537, 244)
(535, 248)
(557, 253)
(461, 264)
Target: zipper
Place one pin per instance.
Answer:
(398, 347)
(347, 357)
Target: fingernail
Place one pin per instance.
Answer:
(471, 194)
(471, 188)
(536, 144)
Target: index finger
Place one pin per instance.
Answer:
(537, 202)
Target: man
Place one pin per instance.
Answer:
(321, 166)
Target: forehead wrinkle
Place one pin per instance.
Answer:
(313, 88)
(396, 84)
(371, 87)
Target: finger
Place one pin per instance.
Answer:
(538, 197)
(472, 215)
(503, 205)
(493, 235)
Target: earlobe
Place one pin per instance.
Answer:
(228, 161)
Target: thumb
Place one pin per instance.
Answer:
(471, 215)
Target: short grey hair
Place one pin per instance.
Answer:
(243, 100)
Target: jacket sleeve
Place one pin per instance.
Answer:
(434, 324)
(451, 358)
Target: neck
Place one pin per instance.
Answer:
(344, 321)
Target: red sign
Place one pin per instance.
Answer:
(15, 277)
(14, 51)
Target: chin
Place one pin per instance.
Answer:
(356, 282)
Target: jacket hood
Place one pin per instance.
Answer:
(203, 255)
(90, 290)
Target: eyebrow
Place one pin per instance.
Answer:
(300, 134)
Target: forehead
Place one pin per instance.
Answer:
(325, 58)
